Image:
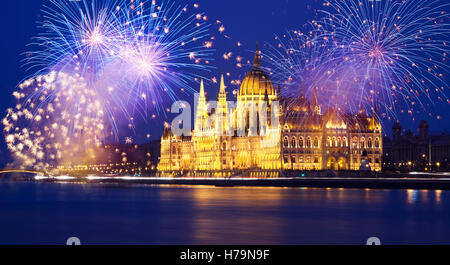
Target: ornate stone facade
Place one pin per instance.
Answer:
(295, 136)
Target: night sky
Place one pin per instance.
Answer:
(245, 21)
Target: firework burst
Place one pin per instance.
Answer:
(360, 53)
(41, 134)
(162, 49)
(76, 35)
(97, 64)
(397, 49)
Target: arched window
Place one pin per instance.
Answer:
(334, 142)
(362, 143)
(355, 142)
(316, 142)
(329, 142)
(369, 143)
(308, 142)
(294, 142)
(286, 142)
(345, 141)
(224, 146)
(300, 144)
(377, 143)
(339, 142)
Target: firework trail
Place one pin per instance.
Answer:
(303, 61)
(76, 35)
(361, 53)
(155, 49)
(162, 49)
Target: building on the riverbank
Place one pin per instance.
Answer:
(422, 151)
(122, 159)
(300, 137)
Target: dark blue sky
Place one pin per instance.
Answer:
(245, 21)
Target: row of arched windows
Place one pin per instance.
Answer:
(337, 142)
(301, 143)
(331, 142)
(365, 144)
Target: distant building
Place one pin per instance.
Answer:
(424, 151)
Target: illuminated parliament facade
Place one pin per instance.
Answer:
(301, 137)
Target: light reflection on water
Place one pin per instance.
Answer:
(116, 214)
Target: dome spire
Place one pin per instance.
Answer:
(257, 61)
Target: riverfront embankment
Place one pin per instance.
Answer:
(411, 180)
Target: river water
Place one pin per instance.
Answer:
(49, 213)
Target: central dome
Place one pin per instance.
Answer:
(256, 82)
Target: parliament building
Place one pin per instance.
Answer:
(301, 137)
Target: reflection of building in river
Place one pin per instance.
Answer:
(306, 138)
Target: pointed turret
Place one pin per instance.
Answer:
(201, 113)
(268, 106)
(301, 90)
(314, 97)
(166, 130)
(375, 120)
(202, 89)
(257, 60)
(315, 102)
(280, 101)
(221, 123)
(222, 85)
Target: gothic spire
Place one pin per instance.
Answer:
(202, 89)
(257, 61)
(301, 89)
(314, 97)
(222, 85)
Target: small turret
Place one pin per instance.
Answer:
(423, 130)
(201, 112)
(269, 109)
(315, 102)
(396, 131)
(257, 60)
(166, 130)
(221, 122)
(375, 119)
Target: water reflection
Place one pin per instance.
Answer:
(412, 196)
(167, 214)
(438, 196)
(424, 197)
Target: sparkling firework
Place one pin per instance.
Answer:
(76, 35)
(97, 64)
(397, 49)
(67, 130)
(362, 52)
(302, 61)
(162, 49)
(148, 50)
